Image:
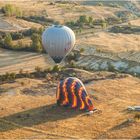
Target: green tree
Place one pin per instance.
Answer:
(8, 40)
(90, 20)
(36, 42)
(104, 25)
(83, 19)
(100, 4)
(18, 12)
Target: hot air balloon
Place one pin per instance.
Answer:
(58, 41)
(71, 92)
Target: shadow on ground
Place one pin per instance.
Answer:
(36, 116)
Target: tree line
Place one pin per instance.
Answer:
(35, 34)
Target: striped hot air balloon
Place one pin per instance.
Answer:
(58, 41)
(71, 92)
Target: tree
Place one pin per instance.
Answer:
(83, 19)
(103, 25)
(90, 20)
(18, 12)
(38, 47)
(8, 40)
(100, 4)
(36, 42)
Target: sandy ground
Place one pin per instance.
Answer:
(135, 22)
(28, 110)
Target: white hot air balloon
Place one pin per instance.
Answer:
(58, 41)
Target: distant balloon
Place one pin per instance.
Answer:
(58, 41)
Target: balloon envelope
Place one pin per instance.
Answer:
(71, 92)
(58, 41)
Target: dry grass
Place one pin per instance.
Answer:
(64, 12)
(135, 22)
(112, 42)
(35, 116)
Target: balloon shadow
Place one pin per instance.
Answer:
(35, 116)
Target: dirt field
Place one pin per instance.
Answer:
(14, 61)
(28, 109)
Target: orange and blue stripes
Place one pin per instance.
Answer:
(70, 92)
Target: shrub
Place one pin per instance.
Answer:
(21, 71)
(38, 69)
(56, 68)
(36, 42)
(72, 64)
(100, 4)
(27, 74)
(82, 20)
(90, 20)
(8, 40)
(111, 67)
(137, 116)
(16, 35)
(12, 76)
(82, 50)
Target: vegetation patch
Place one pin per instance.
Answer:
(11, 10)
(126, 29)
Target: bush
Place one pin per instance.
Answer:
(100, 4)
(16, 35)
(56, 68)
(72, 64)
(13, 76)
(82, 50)
(38, 69)
(137, 116)
(111, 67)
(36, 43)
(21, 71)
(104, 25)
(8, 77)
(27, 74)
(90, 20)
(82, 20)
(8, 40)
